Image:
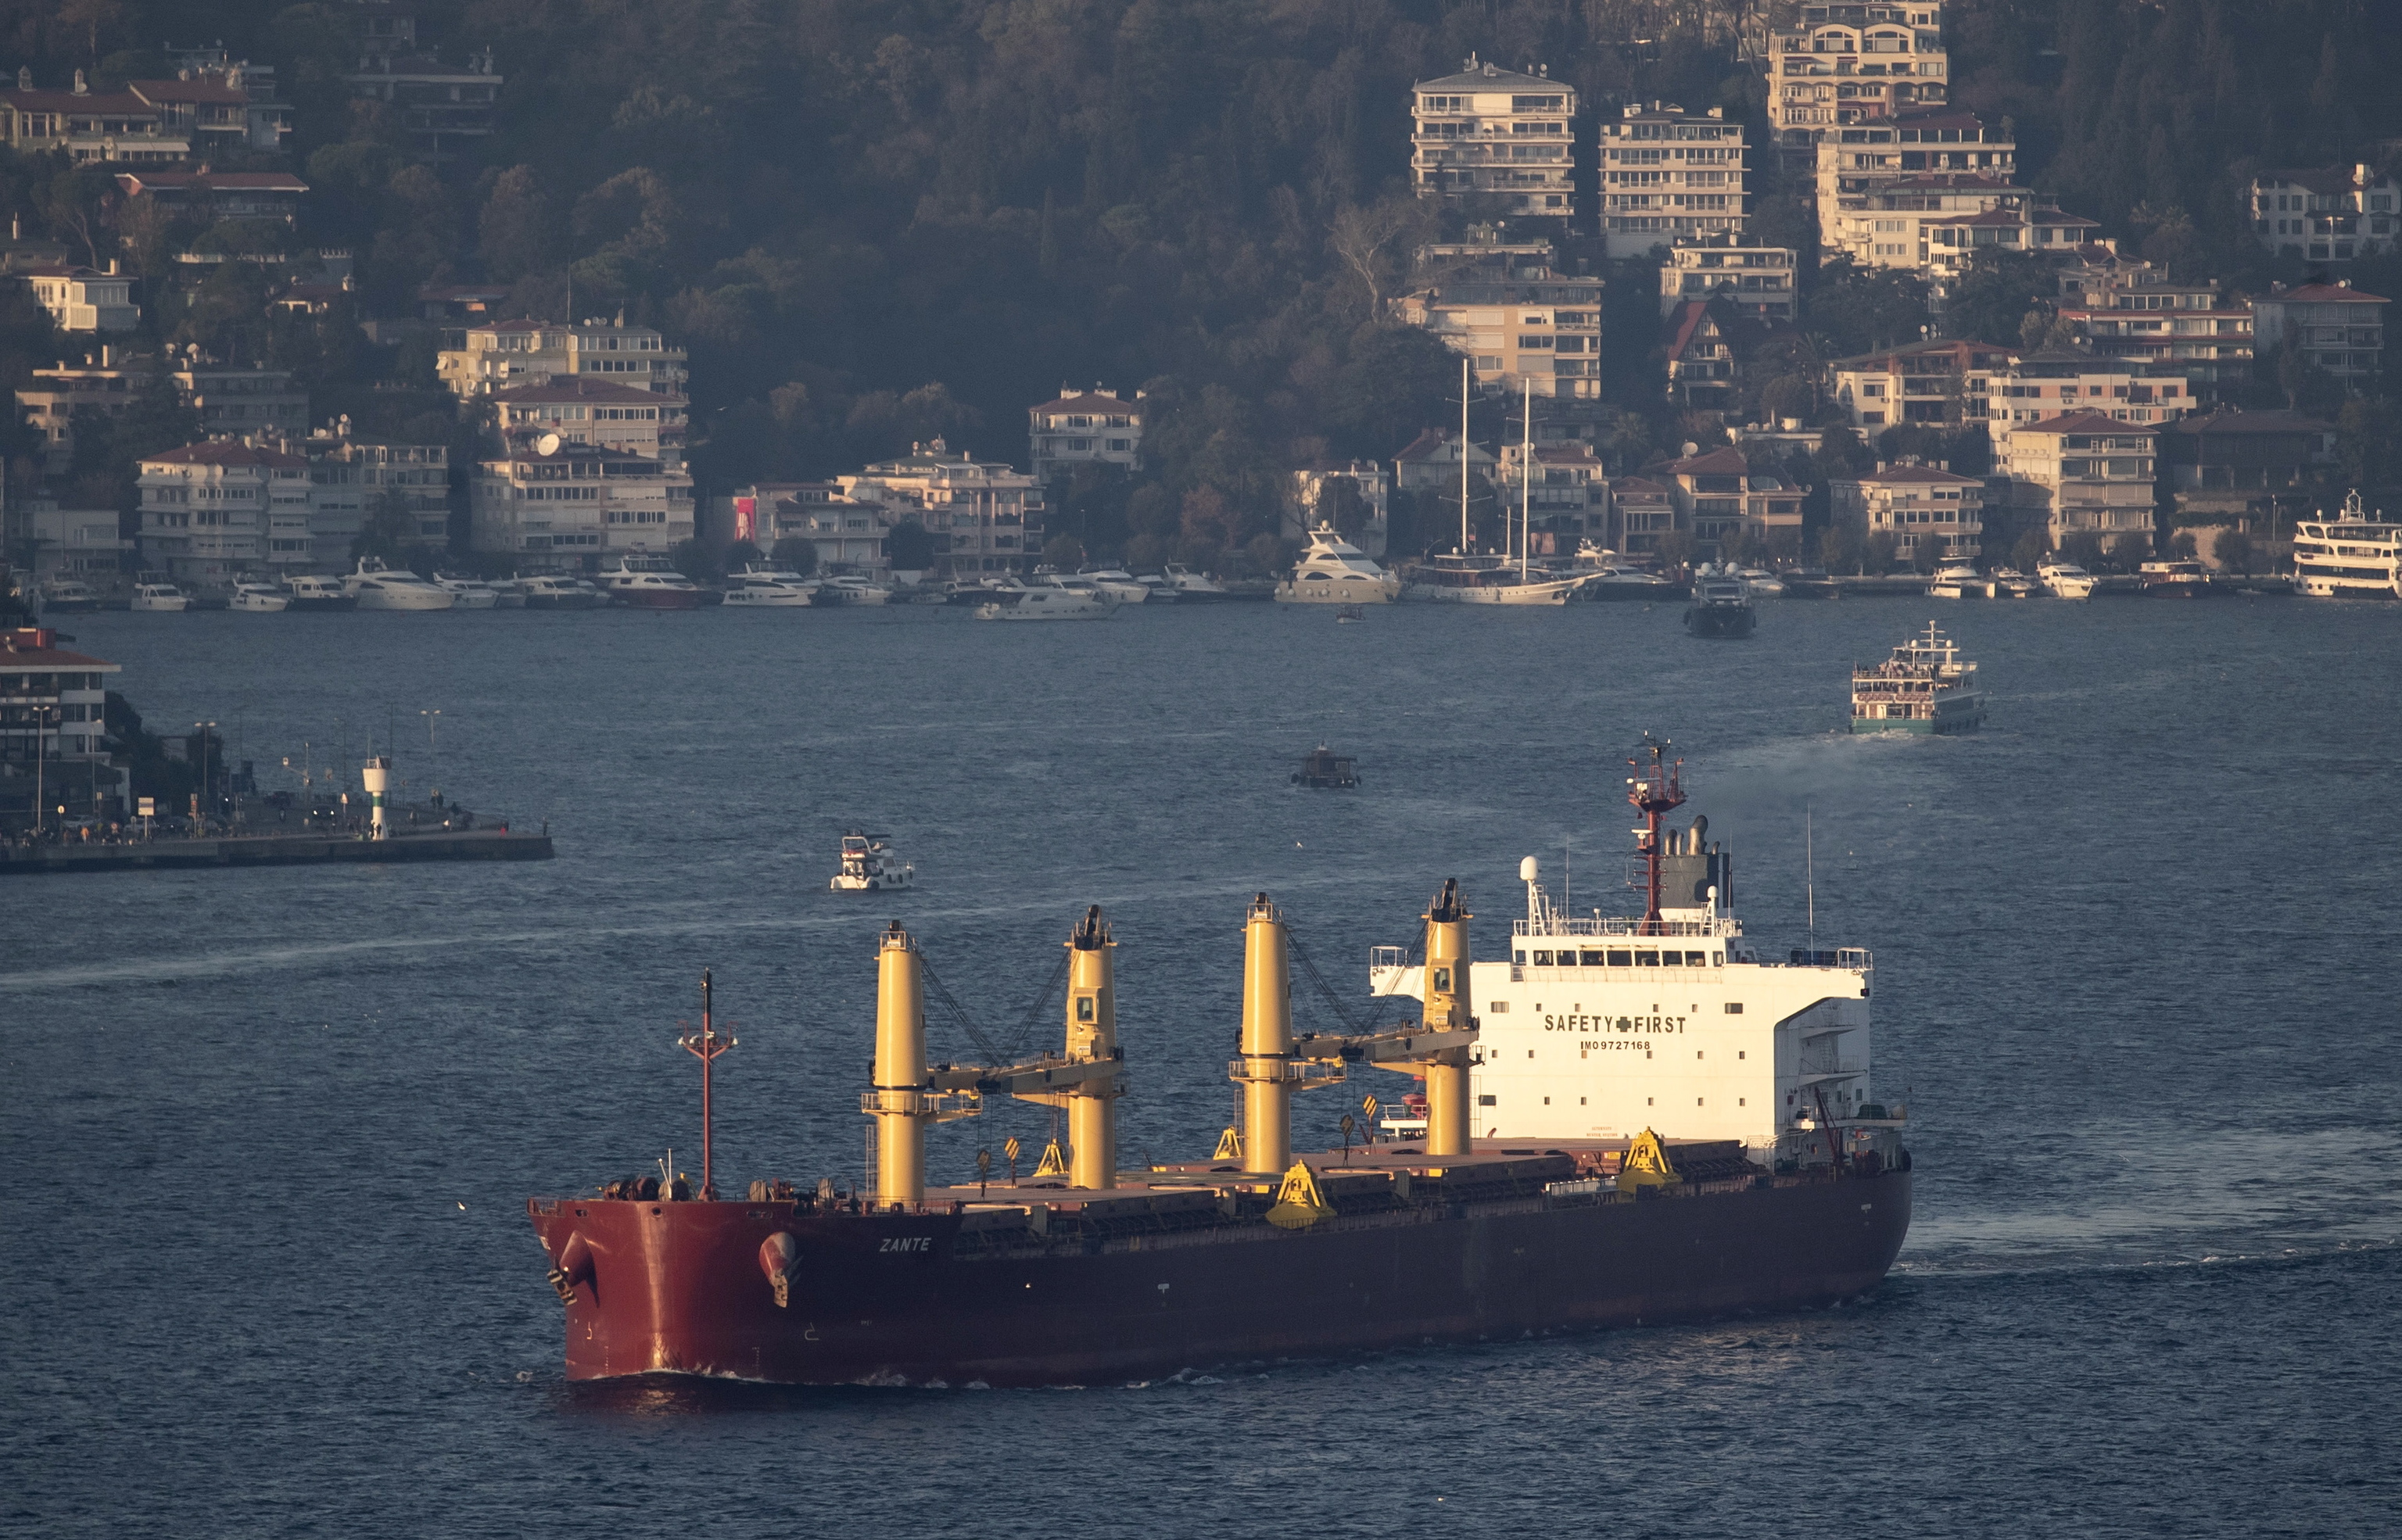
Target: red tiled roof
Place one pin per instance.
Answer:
(1683, 323)
(1728, 461)
(2324, 294)
(1916, 476)
(2085, 422)
(18, 647)
(1637, 489)
(137, 182)
(1430, 442)
(227, 452)
(1088, 402)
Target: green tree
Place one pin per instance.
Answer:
(911, 548)
(1991, 301)
(389, 530)
(515, 233)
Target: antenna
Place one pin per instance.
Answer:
(1810, 878)
(705, 1045)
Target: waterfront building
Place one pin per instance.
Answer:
(846, 535)
(46, 541)
(1567, 501)
(1669, 175)
(2082, 472)
(1754, 281)
(594, 409)
(2240, 468)
(1508, 309)
(234, 399)
(1641, 511)
(1934, 383)
(1431, 462)
(223, 509)
(1931, 511)
(560, 507)
(1085, 427)
(1715, 492)
(1496, 133)
(502, 354)
(50, 401)
(84, 299)
(349, 476)
(985, 516)
(88, 126)
(2187, 326)
(53, 723)
(2333, 326)
(2331, 214)
(2030, 387)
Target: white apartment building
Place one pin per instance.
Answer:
(985, 516)
(2334, 326)
(223, 509)
(577, 505)
(2036, 387)
(53, 710)
(1085, 427)
(2335, 213)
(351, 474)
(49, 402)
(1757, 281)
(849, 536)
(1640, 511)
(534, 353)
(237, 399)
(1370, 480)
(50, 542)
(92, 128)
(1929, 510)
(1936, 383)
(1519, 321)
(85, 299)
(1566, 498)
(1502, 133)
(2082, 472)
(594, 409)
(2189, 327)
(1843, 64)
(1669, 175)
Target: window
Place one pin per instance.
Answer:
(1443, 975)
(1487, 1101)
(1621, 958)
(1542, 959)
(1647, 959)
(1591, 959)
(1735, 1007)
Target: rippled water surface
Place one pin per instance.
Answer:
(267, 1135)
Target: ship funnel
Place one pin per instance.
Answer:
(898, 1099)
(1092, 1037)
(1448, 999)
(1699, 835)
(1265, 1068)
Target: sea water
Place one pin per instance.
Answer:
(267, 1135)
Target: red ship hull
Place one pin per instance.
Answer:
(681, 1288)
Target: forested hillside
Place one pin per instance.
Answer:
(875, 220)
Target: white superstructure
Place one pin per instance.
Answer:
(2354, 557)
(1332, 570)
(1603, 1025)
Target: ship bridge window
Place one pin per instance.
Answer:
(1647, 959)
(1590, 959)
(1542, 959)
(1620, 960)
(1518, 957)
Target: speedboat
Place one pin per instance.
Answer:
(2065, 580)
(552, 591)
(1161, 591)
(2176, 579)
(66, 596)
(1189, 586)
(508, 594)
(159, 598)
(1957, 580)
(1762, 582)
(1332, 570)
(259, 598)
(316, 591)
(376, 586)
(1045, 603)
(869, 865)
(2010, 583)
(1615, 581)
(760, 586)
(650, 582)
(850, 590)
(468, 593)
(1078, 583)
(1485, 580)
(1122, 586)
(1720, 607)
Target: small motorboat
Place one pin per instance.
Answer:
(163, 598)
(67, 597)
(468, 593)
(259, 598)
(554, 592)
(1045, 603)
(869, 865)
(1322, 769)
(1957, 580)
(376, 586)
(1121, 585)
(1811, 582)
(651, 582)
(2065, 580)
(1162, 591)
(1191, 586)
(2010, 583)
(316, 591)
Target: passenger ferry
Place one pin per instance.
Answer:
(1924, 687)
(2355, 555)
(1605, 1024)
(1332, 570)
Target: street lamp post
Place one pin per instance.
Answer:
(39, 712)
(206, 728)
(433, 751)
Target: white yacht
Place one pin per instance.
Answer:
(552, 591)
(468, 593)
(760, 586)
(376, 586)
(869, 866)
(650, 582)
(1762, 582)
(1044, 602)
(2010, 583)
(316, 591)
(1160, 590)
(1486, 579)
(66, 596)
(2355, 555)
(259, 598)
(159, 598)
(1957, 580)
(1332, 570)
(850, 590)
(1122, 586)
(2065, 580)
(1074, 584)
(1188, 586)
(1616, 581)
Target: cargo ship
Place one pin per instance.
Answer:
(1649, 1121)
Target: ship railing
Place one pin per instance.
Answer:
(1625, 925)
(1858, 958)
(1382, 958)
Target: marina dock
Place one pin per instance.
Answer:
(494, 844)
